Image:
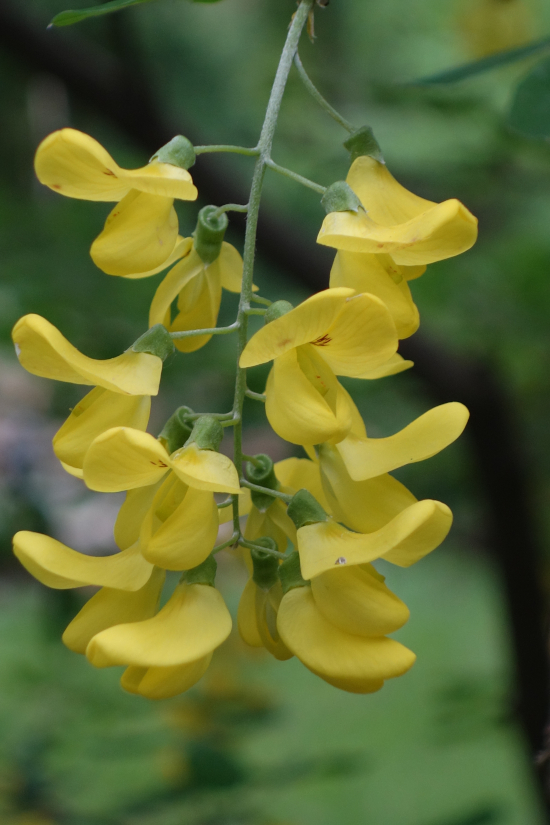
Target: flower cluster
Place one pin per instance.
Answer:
(314, 525)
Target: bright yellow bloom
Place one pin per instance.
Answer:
(169, 652)
(257, 618)
(123, 459)
(142, 231)
(414, 231)
(332, 333)
(198, 288)
(350, 661)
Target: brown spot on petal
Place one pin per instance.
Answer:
(108, 172)
(285, 342)
(159, 464)
(56, 186)
(322, 341)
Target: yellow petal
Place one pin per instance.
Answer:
(131, 514)
(122, 459)
(245, 505)
(98, 411)
(164, 682)
(362, 337)
(274, 523)
(301, 474)
(380, 276)
(44, 351)
(361, 686)
(363, 506)
(305, 404)
(329, 651)
(306, 323)
(247, 620)
(169, 288)
(357, 602)
(408, 537)
(445, 230)
(266, 611)
(231, 268)
(393, 366)
(58, 566)
(76, 165)
(387, 202)
(191, 625)
(140, 234)
(181, 250)
(111, 607)
(423, 438)
(198, 305)
(205, 470)
(186, 537)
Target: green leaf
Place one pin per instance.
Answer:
(67, 18)
(530, 112)
(486, 64)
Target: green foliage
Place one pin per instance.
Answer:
(530, 113)
(67, 18)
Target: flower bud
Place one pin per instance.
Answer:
(305, 509)
(204, 573)
(177, 430)
(263, 475)
(340, 197)
(207, 433)
(156, 341)
(178, 152)
(362, 142)
(209, 234)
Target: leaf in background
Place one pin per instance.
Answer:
(494, 61)
(530, 112)
(67, 18)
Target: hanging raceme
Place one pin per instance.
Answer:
(315, 525)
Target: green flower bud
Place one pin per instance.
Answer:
(265, 565)
(305, 509)
(340, 197)
(177, 430)
(290, 573)
(209, 234)
(179, 152)
(277, 310)
(204, 573)
(207, 433)
(156, 341)
(363, 142)
(264, 476)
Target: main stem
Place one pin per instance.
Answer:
(264, 155)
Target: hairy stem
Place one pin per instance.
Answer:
(288, 173)
(316, 94)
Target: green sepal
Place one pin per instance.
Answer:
(156, 341)
(276, 310)
(265, 565)
(178, 152)
(209, 234)
(290, 573)
(340, 197)
(204, 573)
(177, 430)
(362, 142)
(305, 509)
(264, 476)
(207, 433)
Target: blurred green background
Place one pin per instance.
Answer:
(258, 741)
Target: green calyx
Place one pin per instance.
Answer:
(204, 573)
(179, 152)
(277, 310)
(305, 509)
(290, 573)
(177, 430)
(262, 473)
(362, 142)
(156, 341)
(207, 433)
(265, 565)
(340, 197)
(209, 234)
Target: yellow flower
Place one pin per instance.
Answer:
(142, 231)
(332, 333)
(168, 653)
(198, 287)
(414, 231)
(336, 625)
